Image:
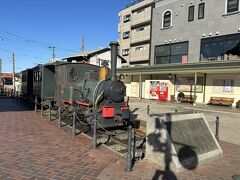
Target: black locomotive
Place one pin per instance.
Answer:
(85, 90)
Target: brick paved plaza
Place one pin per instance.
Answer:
(33, 148)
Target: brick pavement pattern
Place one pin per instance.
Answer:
(33, 148)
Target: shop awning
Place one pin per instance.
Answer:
(202, 67)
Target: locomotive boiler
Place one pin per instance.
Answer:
(94, 92)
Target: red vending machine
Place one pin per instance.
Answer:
(163, 91)
(154, 89)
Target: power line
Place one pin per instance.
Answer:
(22, 48)
(59, 40)
(25, 38)
(28, 40)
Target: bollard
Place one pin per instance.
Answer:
(17, 96)
(42, 107)
(59, 115)
(74, 122)
(176, 110)
(128, 165)
(217, 128)
(49, 108)
(133, 136)
(35, 105)
(95, 132)
(148, 109)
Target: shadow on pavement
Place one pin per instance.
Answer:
(186, 154)
(8, 104)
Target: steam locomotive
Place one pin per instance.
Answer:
(93, 91)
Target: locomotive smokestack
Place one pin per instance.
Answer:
(114, 51)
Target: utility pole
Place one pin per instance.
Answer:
(13, 70)
(82, 48)
(0, 71)
(53, 52)
(1, 65)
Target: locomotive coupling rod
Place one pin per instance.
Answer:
(35, 105)
(74, 122)
(95, 132)
(128, 164)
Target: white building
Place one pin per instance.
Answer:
(97, 57)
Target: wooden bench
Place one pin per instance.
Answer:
(189, 98)
(221, 101)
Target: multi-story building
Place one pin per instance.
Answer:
(134, 32)
(187, 31)
(196, 45)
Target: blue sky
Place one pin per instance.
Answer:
(28, 27)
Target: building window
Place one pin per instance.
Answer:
(171, 53)
(162, 54)
(126, 35)
(232, 6)
(125, 52)
(24, 77)
(191, 13)
(223, 85)
(220, 48)
(139, 48)
(201, 10)
(37, 77)
(140, 29)
(127, 18)
(167, 19)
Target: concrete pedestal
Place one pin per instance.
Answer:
(180, 141)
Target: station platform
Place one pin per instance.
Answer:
(31, 147)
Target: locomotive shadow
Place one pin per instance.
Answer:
(8, 104)
(185, 153)
(133, 118)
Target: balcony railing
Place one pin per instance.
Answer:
(140, 36)
(139, 55)
(141, 18)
